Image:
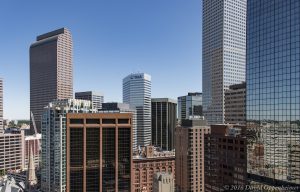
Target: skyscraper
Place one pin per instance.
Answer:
(164, 113)
(99, 152)
(273, 91)
(51, 71)
(1, 106)
(190, 106)
(96, 98)
(223, 53)
(137, 93)
(54, 152)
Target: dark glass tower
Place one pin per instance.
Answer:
(273, 91)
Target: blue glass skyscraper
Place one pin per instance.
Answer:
(273, 91)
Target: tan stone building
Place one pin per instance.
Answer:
(51, 71)
(189, 147)
(147, 163)
(163, 182)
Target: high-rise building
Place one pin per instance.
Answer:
(273, 92)
(235, 104)
(137, 93)
(189, 157)
(51, 71)
(1, 106)
(147, 162)
(115, 107)
(99, 152)
(96, 98)
(225, 158)
(54, 152)
(223, 53)
(163, 182)
(164, 117)
(190, 106)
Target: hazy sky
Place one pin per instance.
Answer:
(111, 38)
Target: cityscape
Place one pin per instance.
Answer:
(238, 130)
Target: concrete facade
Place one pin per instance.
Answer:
(1, 106)
(163, 182)
(51, 71)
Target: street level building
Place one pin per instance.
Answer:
(96, 98)
(223, 53)
(99, 152)
(147, 162)
(235, 104)
(225, 158)
(137, 93)
(164, 117)
(51, 71)
(189, 161)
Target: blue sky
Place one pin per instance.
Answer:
(112, 38)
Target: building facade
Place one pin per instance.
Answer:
(189, 161)
(235, 104)
(54, 154)
(51, 71)
(137, 93)
(122, 108)
(146, 163)
(11, 151)
(163, 182)
(225, 158)
(1, 106)
(223, 53)
(190, 106)
(273, 92)
(163, 122)
(32, 142)
(99, 152)
(96, 98)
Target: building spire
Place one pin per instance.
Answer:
(31, 177)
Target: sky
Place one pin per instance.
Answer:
(111, 39)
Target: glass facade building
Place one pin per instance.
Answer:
(223, 53)
(273, 91)
(99, 152)
(190, 106)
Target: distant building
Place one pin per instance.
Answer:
(190, 106)
(235, 104)
(164, 117)
(1, 106)
(189, 147)
(96, 98)
(51, 71)
(114, 107)
(54, 146)
(225, 158)
(163, 182)
(149, 161)
(137, 93)
(99, 152)
(11, 151)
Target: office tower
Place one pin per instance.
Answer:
(1, 107)
(147, 162)
(190, 106)
(225, 158)
(163, 122)
(115, 107)
(235, 104)
(163, 182)
(189, 157)
(137, 93)
(51, 71)
(99, 152)
(54, 123)
(273, 93)
(96, 98)
(223, 53)
(11, 151)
